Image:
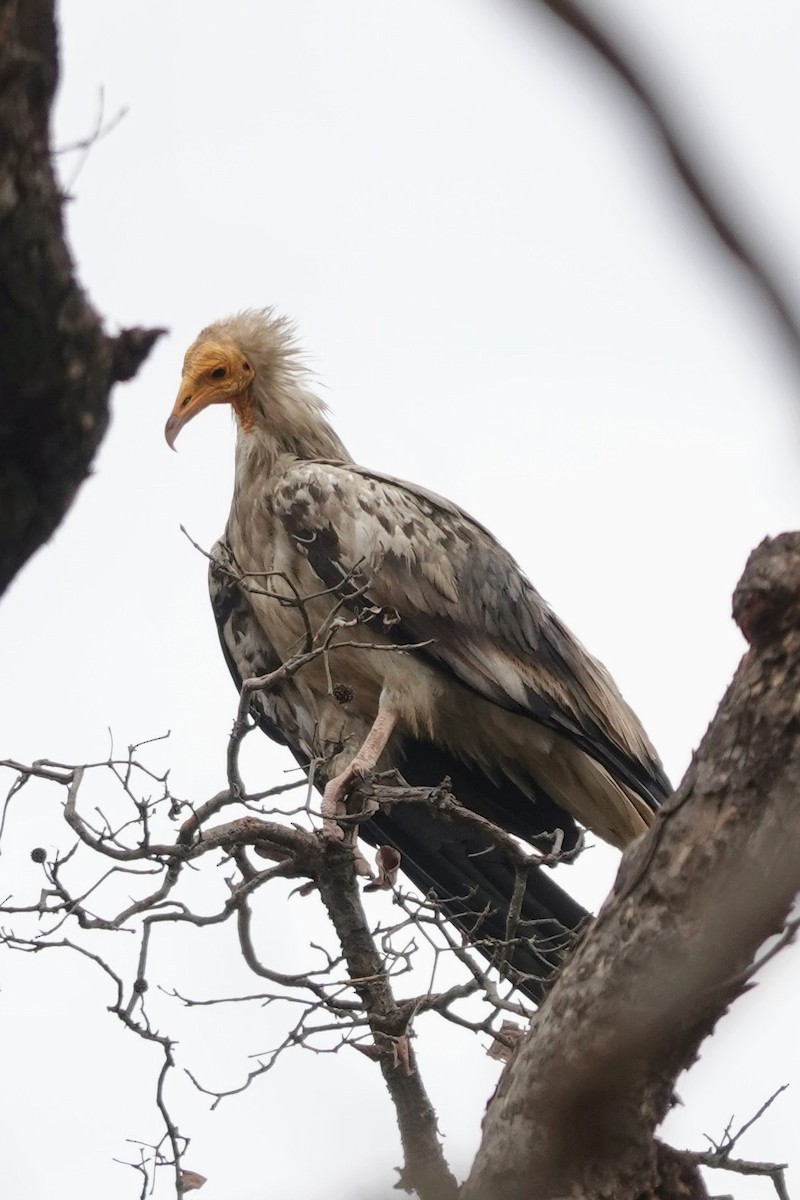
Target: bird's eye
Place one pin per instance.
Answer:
(218, 373)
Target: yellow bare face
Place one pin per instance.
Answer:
(215, 371)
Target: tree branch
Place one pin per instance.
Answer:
(425, 1170)
(673, 946)
(719, 1157)
(57, 366)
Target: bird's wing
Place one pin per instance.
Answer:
(249, 654)
(473, 880)
(433, 574)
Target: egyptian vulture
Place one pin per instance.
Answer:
(496, 694)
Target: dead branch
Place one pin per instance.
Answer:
(374, 790)
(776, 1172)
(425, 1170)
(177, 1142)
(719, 1157)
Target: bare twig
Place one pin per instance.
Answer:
(719, 1157)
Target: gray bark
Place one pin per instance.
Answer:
(576, 1112)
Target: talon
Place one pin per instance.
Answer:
(333, 805)
(332, 832)
(361, 864)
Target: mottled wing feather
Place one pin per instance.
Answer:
(451, 583)
(473, 880)
(249, 654)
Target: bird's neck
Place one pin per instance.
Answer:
(297, 429)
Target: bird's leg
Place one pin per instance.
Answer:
(365, 758)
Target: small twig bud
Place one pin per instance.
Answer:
(343, 693)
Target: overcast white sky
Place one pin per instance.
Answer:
(504, 299)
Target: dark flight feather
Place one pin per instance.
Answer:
(474, 882)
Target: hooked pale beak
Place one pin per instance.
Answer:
(172, 429)
(192, 399)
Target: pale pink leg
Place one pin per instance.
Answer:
(364, 760)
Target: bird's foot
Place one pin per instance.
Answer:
(333, 805)
(332, 831)
(334, 800)
(362, 867)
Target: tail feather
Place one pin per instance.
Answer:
(474, 882)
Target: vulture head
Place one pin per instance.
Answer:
(216, 370)
(252, 362)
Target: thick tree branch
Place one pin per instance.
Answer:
(675, 943)
(57, 366)
(426, 1171)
